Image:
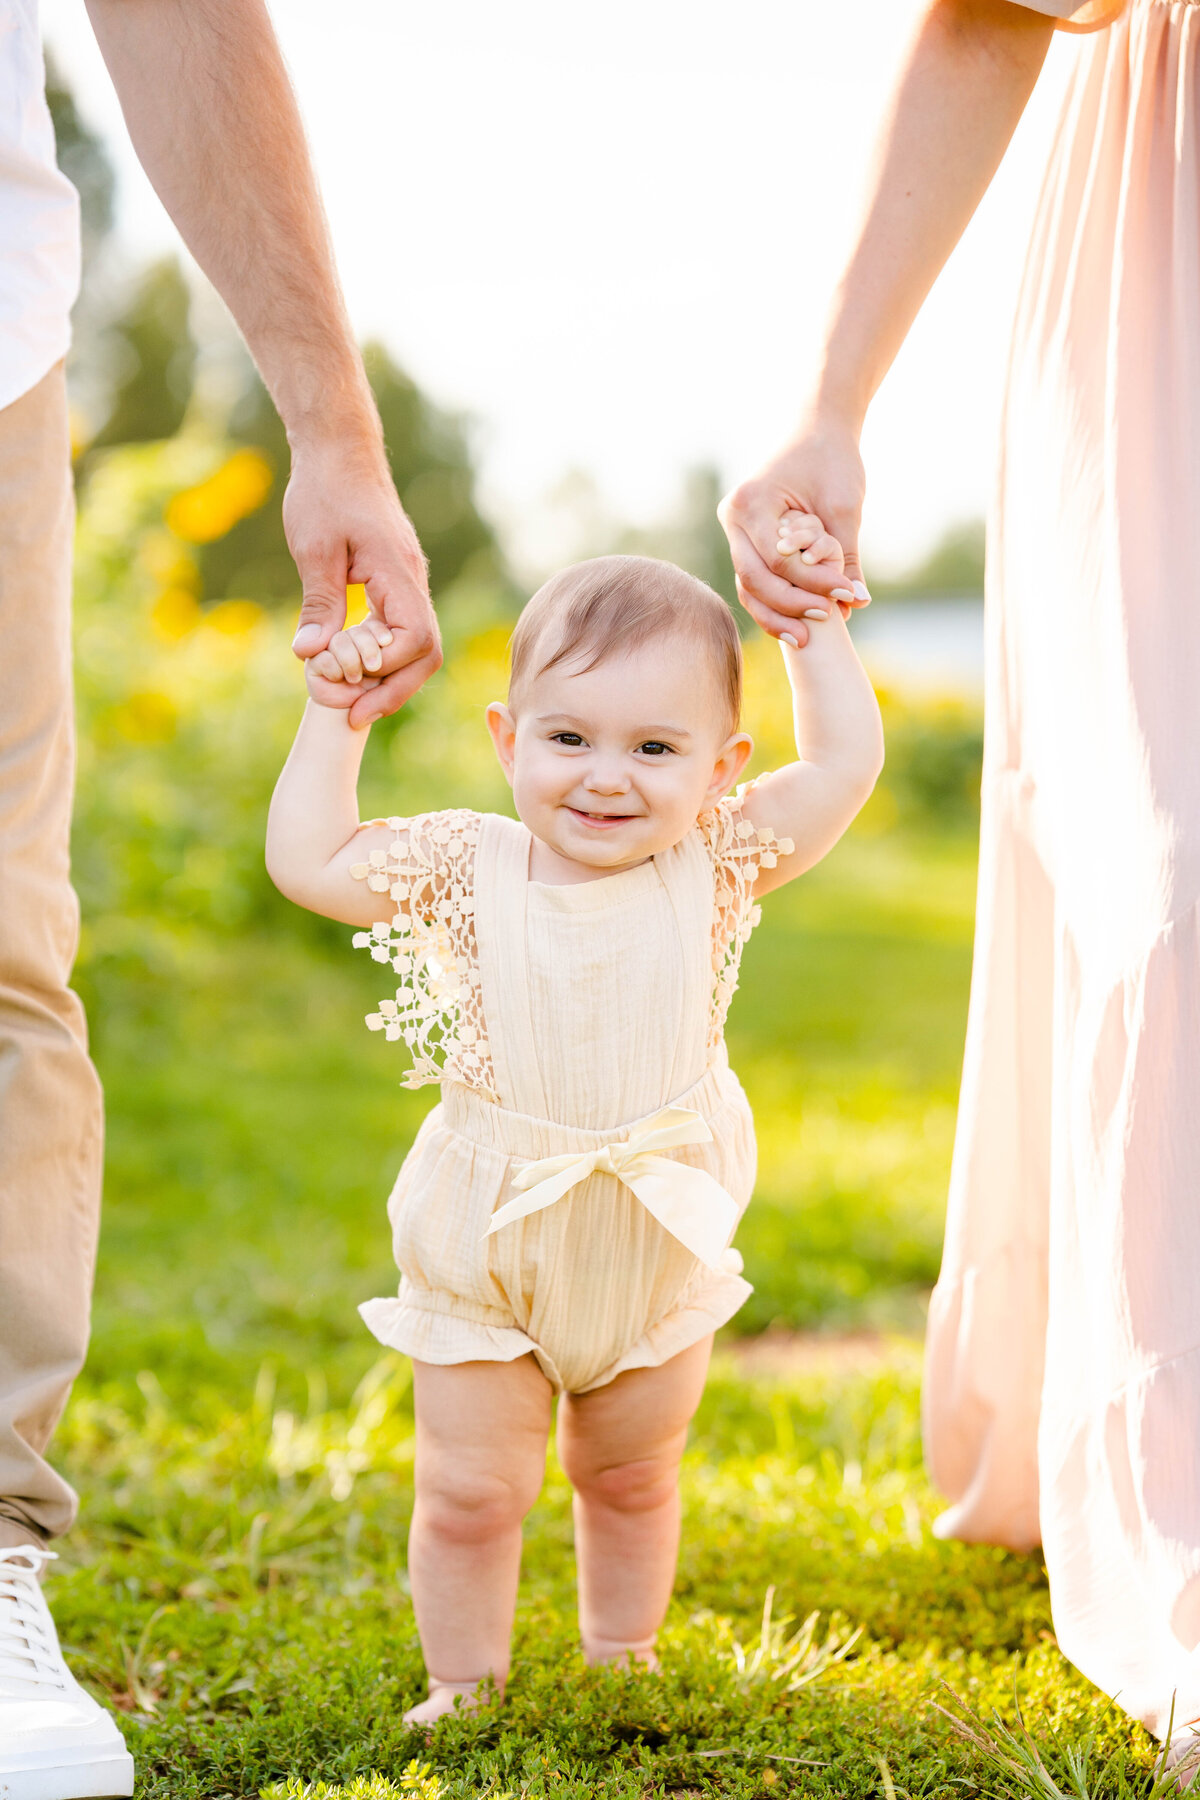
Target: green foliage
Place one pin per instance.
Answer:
(83, 158)
(151, 356)
(934, 764)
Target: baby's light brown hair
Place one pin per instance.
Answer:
(616, 604)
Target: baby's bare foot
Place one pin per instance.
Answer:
(442, 1698)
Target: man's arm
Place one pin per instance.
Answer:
(215, 124)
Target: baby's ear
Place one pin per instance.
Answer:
(503, 728)
(734, 754)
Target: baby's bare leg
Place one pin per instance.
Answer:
(481, 1458)
(620, 1446)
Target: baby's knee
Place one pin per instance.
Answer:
(628, 1487)
(472, 1506)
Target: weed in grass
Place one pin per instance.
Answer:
(791, 1662)
(1048, 1765)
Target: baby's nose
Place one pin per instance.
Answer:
(606, 776)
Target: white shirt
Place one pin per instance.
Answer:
(39, 214)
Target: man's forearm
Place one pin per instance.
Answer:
(215, 124)
(967, 77)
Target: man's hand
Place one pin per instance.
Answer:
(793, 532)
(344, 523)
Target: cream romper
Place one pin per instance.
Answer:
(575, 1192)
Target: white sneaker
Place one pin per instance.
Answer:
(56, 1743)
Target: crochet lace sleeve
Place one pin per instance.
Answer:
(427, 873)
(739, 850)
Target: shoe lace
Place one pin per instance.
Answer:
(29, 1652)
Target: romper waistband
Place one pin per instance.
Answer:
(522, 1135)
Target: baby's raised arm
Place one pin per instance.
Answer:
(313, 834)
(839, 748)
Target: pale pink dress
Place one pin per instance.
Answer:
(1063, 1378)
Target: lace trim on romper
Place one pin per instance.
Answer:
(739, 852)
(428, 871)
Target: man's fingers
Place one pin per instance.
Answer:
(323, 611)
(391, 693)
(394, 572)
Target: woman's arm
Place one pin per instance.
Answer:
(313, 835)
(839, 746)
(962, 88)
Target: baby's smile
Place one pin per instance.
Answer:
(602, 818)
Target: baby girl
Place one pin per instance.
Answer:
(563, 1222)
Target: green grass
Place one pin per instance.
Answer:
(236, 1583)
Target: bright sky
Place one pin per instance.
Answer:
(608, 233)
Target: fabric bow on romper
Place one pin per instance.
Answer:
(575, 1192)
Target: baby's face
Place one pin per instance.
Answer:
(612, 765)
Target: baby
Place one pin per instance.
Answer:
(563, 1222)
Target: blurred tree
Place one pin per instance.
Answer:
(692, 537)
(431, 464)
(706, 546)
(151, 358)
(83, 159)
(953, 569)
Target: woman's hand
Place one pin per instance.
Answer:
(788, 566)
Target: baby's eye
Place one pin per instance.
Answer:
(571, 739)
(654, 748)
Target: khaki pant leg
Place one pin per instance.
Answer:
(50, 1103)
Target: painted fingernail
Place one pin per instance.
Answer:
(841, 594)
(785, 637)
(814, 612)
(860, 591)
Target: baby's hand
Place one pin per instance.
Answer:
(337, 676)
(802, 535)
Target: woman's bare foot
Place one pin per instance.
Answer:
(443, 1695)
(1181, 1758)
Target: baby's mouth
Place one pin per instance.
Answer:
(601, 819)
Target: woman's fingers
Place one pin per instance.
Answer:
(810, 587)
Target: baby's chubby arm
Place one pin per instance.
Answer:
(839, 747)
(313, 835)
